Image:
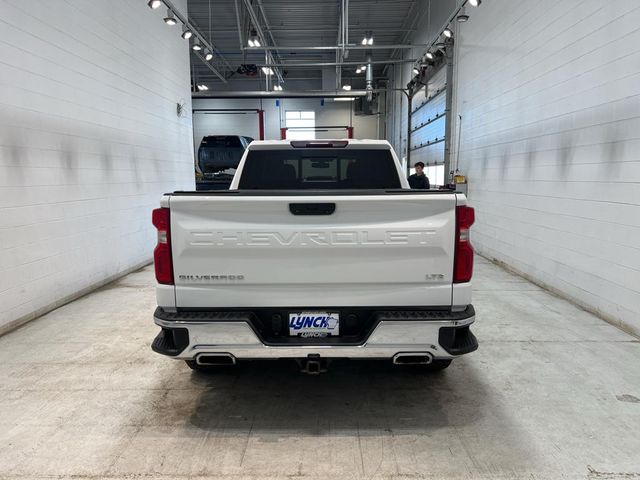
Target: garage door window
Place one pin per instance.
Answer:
(303, 123)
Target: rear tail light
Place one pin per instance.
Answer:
(463, 261)
(162, 252)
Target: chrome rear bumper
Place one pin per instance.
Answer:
(443, 338)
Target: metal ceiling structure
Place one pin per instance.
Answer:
(301, 39)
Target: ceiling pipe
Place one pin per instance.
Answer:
(369, 77)
(263, 39)
(238, 23)
(345, 38)
(339, 51)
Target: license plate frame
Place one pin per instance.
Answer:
(314, 324)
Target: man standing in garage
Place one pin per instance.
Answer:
(419, 179)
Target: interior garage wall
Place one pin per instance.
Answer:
(549, 94)
(89, 140)
(327, 113)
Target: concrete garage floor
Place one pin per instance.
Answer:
(553, 392)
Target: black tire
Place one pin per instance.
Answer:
(200, 368)
(434, 366)
(437, 365)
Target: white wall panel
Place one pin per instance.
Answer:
(89, 140)
(549, 93)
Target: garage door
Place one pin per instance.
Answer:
(428, 121)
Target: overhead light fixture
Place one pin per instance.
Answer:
(202, 87)
(208, 55)
(170, 19)
(441, 45)
(448, 33)
(462, 18)
(346, 87)
(344, 99)
(154, 4)
(358, 70)
(416, 70)
(196, 45)
(475, 3)
(277, 88)
(186, 33)
(368, 39)
(267, 71)
(429, 56)
(254, 41)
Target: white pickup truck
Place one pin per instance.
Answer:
(319, 250)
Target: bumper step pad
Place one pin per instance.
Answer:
(458, 340)
(171, 341)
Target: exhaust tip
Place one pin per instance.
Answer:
(414, 358)
(216, 359)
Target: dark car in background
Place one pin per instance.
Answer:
(218, 157)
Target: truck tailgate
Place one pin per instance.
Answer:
(251, 250)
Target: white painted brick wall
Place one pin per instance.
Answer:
(89, 140)
(549, 92)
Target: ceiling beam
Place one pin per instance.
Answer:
(340, 47)
(282, 94)
(331, 64)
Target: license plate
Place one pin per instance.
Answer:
(314, 324)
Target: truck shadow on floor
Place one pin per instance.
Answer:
(370, 397)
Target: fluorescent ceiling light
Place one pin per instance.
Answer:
(344, 99)
(254, 41)
(202, 87)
